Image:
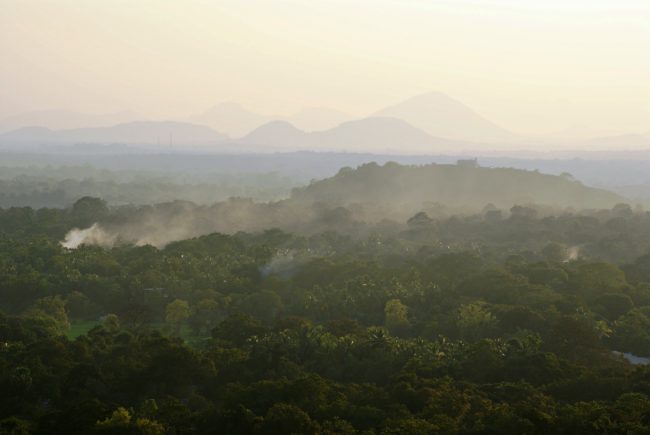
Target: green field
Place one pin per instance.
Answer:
(80, 328)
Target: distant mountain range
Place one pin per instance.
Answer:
(237, 121)
(465, 186)
(435, 113)
(136, 133)
(370, 134)
(428, 123)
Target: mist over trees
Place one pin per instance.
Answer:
(463, 186)
(388, 298)
(57, 179)
(502, 320)
(324, 218)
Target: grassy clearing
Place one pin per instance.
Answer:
(80, 328)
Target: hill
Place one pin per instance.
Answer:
(369, 134)
(277, 134)
(137, 133)
(237, 121)
(443, 116)
(452, 185)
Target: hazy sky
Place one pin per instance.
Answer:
(531, 66)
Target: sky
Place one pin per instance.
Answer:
(534, 67)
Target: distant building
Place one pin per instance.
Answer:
(468, 163)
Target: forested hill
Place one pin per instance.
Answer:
(463, 185)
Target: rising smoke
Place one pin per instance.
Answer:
(94, 235)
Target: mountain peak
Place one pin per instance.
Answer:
(275, 133)
(276, 126)
(443, 116)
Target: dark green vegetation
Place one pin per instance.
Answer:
(58, 180)
(462, 186)
(498, 322)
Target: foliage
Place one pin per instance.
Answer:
(482, 325)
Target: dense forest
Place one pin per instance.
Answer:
(519, 320)
(61, 186)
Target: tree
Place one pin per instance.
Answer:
(176, 313)
(613, 305)
(284, 418)
(594, 279)
(52, 307)
(522, 212)
(121, 417)
(111, 323)
(121, 421)
(475, 320)
(420, 220)
(237, 328)
(205, 315)
(396, 317)
(572, 336)
(264, 305)
(632, 333)
(496, 286)
(14, 426)
(88, 210)
(555, 252)
(80, 306)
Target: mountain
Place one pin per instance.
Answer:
(280, 134)
(375, 134)
(317, 118)
(136, 133)
(65, 119)
(237, 121)
(442, 116)
(230, 118)
(465, 186)
(369, 134)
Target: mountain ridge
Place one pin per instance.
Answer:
(375, 133)
(440, 115)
